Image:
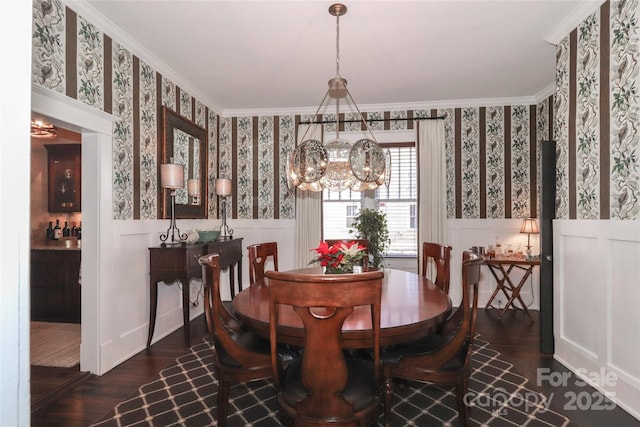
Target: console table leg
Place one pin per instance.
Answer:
(185, 310)
(153, 302)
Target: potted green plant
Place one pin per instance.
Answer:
(372, 225)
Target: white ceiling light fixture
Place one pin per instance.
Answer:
(339, 164)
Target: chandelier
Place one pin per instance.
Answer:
(41, 129)
(339, 164)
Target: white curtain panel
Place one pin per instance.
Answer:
(308, 209)
(432, 184)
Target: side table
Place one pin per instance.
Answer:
(501, 269)
(171, 264)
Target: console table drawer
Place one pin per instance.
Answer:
(229, 251)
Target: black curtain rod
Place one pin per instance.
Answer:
(372, 120)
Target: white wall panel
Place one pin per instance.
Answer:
(597, 305)
(580, 300)
(625, 287)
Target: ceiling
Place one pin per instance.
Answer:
(251, 56)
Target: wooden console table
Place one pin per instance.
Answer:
(505, 284)
(172, 264)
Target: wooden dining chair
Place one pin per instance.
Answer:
(361, 242)
(239, 355)
(439, 255)
(259, 255)
(326, 386)
(439, 358)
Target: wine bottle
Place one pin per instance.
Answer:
(50, 231)
(79, 231)
(74, 230)
(66, 231)
(57, 231)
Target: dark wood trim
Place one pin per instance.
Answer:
(108, 74)
(136, 137)
(507, 162)
(234, 166)
(571, 151)
(605, 113)
(71, 54)
(482, 116)
(533, 161)
(256, 178)
(458, 160)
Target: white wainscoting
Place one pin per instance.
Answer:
(597, 305)
(124, 299)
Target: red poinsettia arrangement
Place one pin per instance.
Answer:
(339, 258)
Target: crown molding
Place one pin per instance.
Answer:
(89, 12)
(545, 93)
(455, 103)
(583, 9)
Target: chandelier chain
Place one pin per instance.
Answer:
(338, 46)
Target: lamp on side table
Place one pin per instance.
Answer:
(529, 226)
(223, 189)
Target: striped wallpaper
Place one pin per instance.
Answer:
(597, 109)
(492, 152)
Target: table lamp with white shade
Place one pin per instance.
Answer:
(193, 189)
(172, 178)
(529, 226)
(223, 189)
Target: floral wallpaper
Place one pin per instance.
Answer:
(244, 160)
(520, 151)
(625, 110)
(286, 142)
(607, 168)
(90, 64)
(470, 163)
(48, 57)
(266, 172)
(597, 176)
(122, 132)
(148, 142)
(561, 126)
(495, 162)
(449, 135)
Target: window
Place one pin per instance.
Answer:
(413, 220)
(399, 202)
(352, 211)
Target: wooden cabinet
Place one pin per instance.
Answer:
(55, 287)
(64, 171)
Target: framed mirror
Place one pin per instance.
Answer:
(184, 143)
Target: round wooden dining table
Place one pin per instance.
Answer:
(412, 306)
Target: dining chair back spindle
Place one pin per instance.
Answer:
(440, 358)
(326, 386)
(438, 255)
(239, 355)
(260, 255)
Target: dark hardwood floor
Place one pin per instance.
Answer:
(90, 398)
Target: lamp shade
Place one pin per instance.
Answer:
(193, 187)
(529, 226)
(171, 175)
(223, 187)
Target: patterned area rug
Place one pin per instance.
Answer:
(55, 344)
(185, 395)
